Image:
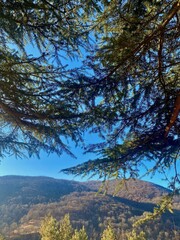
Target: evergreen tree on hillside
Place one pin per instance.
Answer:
(80, 235)
(66, 230)
(108, 234)
(49, 229)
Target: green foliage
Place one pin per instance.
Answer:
(49, 229)
(126, 88)
(80, 235)
(36, 109)
(134, 90)
(108, 234)
(66, 230)
(134, 236)
(2, 237)
(164, 205)
(44, 25)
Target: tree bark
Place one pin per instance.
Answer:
(174, 115)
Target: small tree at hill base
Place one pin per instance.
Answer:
(80, 235)
(49, 229)
(108, 234)
(65, 230)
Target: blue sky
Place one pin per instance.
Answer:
(47, 165)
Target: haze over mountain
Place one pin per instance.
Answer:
(25, 201)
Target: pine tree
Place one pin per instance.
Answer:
(127, 90)
(49, 229)
(80, 235)
(133, 95)
(36, 109)
(66, 230)
(108, 234)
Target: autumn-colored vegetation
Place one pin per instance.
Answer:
(31, 199)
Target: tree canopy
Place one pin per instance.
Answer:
(136, 79)
(127, 89)
(51, 229)
(108, 234)
(36, 111)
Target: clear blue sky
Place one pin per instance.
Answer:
(47, 165)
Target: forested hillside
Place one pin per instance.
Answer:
(25, 201)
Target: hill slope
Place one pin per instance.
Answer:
(25, 190)
(24, 201)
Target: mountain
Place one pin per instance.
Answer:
(133, 189)
(25, 201)
(34, 190)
